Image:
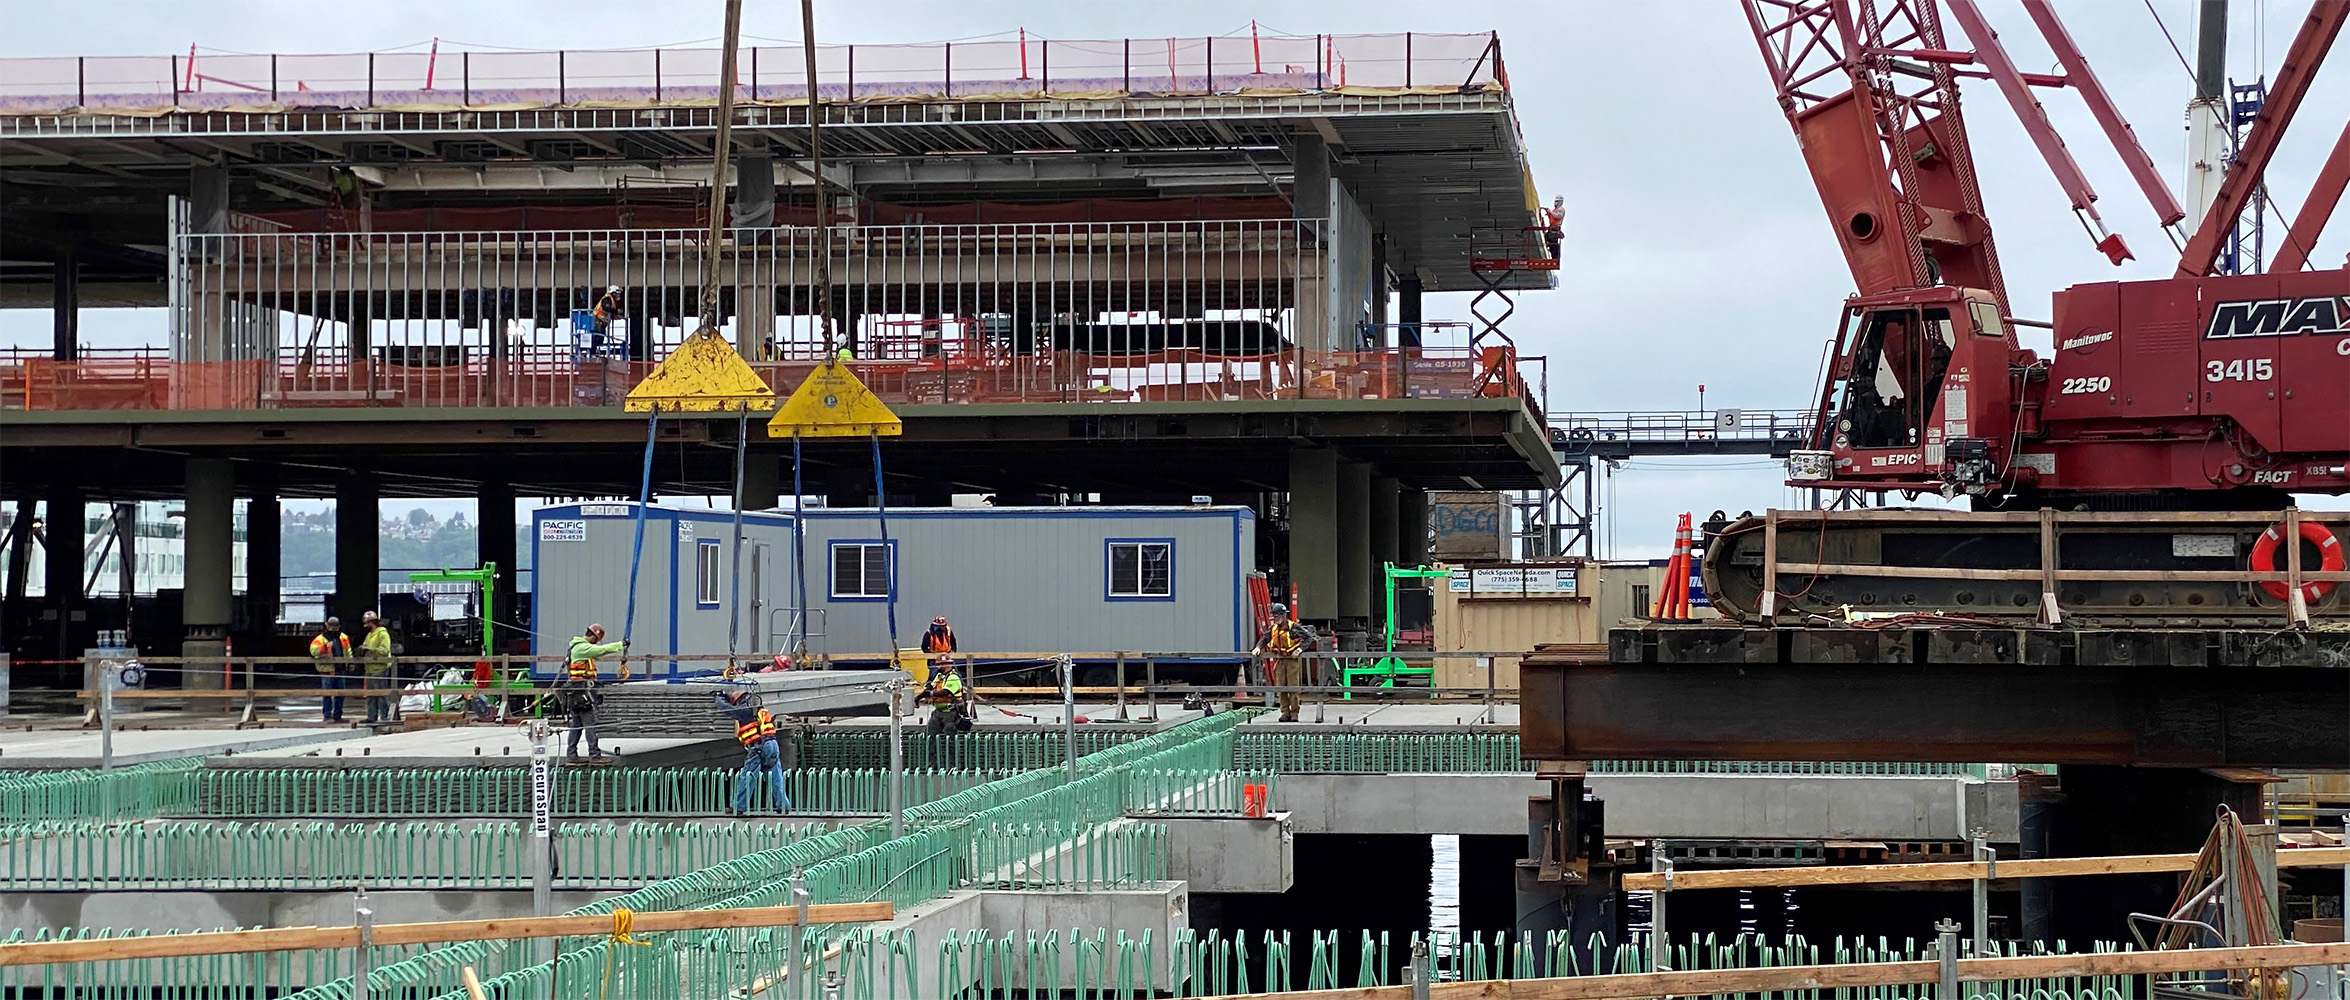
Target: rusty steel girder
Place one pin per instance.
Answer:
(1581, 704)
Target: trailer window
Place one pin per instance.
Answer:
(706, 573)
(861, 570)
(1141, 568)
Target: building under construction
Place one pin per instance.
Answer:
(1138, 271)
(1173, 289)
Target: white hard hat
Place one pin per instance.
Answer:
(614, 289)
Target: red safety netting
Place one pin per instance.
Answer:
(1024, 67)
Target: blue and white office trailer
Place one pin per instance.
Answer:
(687, 581)
(1087, 580)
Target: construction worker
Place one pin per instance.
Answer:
(1283, 640)
(754, 728)
(329, 650)
(375, 656)
(944, 692)
(608, 308)
(579, 687)
(940, 638)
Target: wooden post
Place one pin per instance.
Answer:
(2050, 613)
(1770, 594)
(2296, 604)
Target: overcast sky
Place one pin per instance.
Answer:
(1696, 251)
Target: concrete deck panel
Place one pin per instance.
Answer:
(473, 746)
(61, 748)
(1232, 853)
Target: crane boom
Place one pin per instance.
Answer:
(1869, 90)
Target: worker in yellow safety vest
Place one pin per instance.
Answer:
(944, 692)
(755, 729)
(578, 687)
(329, 650)
(381, 672)
(1284, 640)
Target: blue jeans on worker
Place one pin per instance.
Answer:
(761, 756)
(330, 707)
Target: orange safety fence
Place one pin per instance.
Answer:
(149, 381)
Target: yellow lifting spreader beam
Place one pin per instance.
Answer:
(704, 375)
(832, 402)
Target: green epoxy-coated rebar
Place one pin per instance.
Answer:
(1081, 963)
(580, 791)
(88, 793)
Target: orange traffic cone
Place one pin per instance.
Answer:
(1672, 600)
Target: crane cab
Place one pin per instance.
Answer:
(1919, 398)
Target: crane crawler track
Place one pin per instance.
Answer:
(2147, 568)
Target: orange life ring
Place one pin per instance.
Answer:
(2264, 559)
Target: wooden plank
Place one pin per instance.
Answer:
(240, 694)
(1714, 982)
(441, 932)
(1949, 871)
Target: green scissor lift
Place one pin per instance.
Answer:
(1388, 667)
(508, 682)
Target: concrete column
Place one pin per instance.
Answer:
(61, 561)
(1383, 549)
(1313, 533)
(1407, 311)
(357, 497)
(1381, 336)
(20, 550)
(763, 478)
(1310, 197)
(1411, 527)
(65, 303)
(493, 542)
(208, 605)
(264, 584)
(208, 200)
(1354, 549)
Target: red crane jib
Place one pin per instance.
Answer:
(2179, 384)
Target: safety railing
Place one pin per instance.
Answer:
(399, 855)
(998, 312)
(1013, 66)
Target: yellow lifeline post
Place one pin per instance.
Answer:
(833, 403)
(704, 375)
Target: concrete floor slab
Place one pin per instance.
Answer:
(61, 748)
(992, 717)
(479, 745)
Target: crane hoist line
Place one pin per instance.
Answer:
(2199, 402)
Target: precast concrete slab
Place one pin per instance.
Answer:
(62, 748)
(484, 745)
(1161, 908)
(1367, 715)
(1232, 853)
(1673, 806)
(991, 717)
